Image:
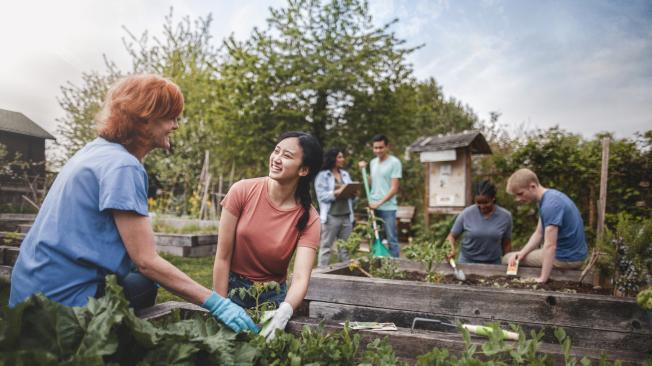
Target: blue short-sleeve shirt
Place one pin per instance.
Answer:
(483, 237)
(557, 209)
(74, 241)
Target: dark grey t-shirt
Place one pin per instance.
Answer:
(483, 238)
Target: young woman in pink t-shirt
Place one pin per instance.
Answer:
(265, 221)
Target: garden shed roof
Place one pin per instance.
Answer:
(17, 122)
(473, 139)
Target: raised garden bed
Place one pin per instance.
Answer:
(181, 244)
(593, 321)
(187, 245)
(407, 343)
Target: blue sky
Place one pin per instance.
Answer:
(583, 65)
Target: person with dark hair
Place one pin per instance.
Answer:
(264, 222)
(95, 221)
(386, 170)
(335, 211)
(487, 228)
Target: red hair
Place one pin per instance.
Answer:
(132, 102)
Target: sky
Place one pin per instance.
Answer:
(584, 65)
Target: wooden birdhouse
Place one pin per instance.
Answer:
(447, 171)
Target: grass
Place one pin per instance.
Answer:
(199, 269)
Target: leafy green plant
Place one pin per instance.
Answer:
(626, 254)
(255, 292)
(644, 299)
(107, 332)
(385, 268)
(430, 247)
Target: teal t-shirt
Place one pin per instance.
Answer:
(382, 173)
(74, 241)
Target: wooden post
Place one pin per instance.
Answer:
(603, 187)
(426, 195)
(468, 185)
(602, 206)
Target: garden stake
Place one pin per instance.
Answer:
(377, 249)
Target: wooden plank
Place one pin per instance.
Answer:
(408, 345)
(195, 251)
(512, 305)
(486, 270)
(581, 336)
(185, 240)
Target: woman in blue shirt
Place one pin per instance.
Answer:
(94, 220)
(335, 212)
(487, 229)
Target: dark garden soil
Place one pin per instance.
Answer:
(501, 282)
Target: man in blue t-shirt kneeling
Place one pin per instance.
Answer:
(560, 227)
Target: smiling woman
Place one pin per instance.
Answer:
(94, 220)
(264, 222)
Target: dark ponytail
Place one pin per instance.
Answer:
(312, 159)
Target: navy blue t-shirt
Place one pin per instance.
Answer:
(558, 210)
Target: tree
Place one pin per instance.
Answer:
(321, 68)
(81, 103)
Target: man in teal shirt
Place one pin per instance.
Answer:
(385, 174)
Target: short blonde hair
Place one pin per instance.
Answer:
(521, 178)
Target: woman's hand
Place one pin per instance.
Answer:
(281, 317)
(229, 313)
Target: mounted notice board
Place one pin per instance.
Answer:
(447, 184)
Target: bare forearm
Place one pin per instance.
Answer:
(532, 244)
(548, 260)
(297, 291)
(221, 276)
(177, 282)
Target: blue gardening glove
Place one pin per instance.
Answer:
(229, 313)
(280, 319)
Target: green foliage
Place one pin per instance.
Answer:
(626, 254)
(644, 299)
(350, 81)
(161, 227)
(385, 267)
(571, 164)
(255, 292)
(80, 104)
(430, 246)
(359, 234)
(106, 331)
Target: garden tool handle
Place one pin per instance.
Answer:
(486, 331)
(365, 181)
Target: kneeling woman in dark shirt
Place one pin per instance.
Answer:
(487, 229)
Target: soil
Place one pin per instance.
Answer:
(504, 282)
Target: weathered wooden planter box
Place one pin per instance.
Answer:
(187, 245)
(184, 245)
(12, 222)
(407, 343)
(594, 322)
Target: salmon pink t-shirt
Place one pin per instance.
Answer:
(266, 235)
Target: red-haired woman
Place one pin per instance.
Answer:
(94, 220)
